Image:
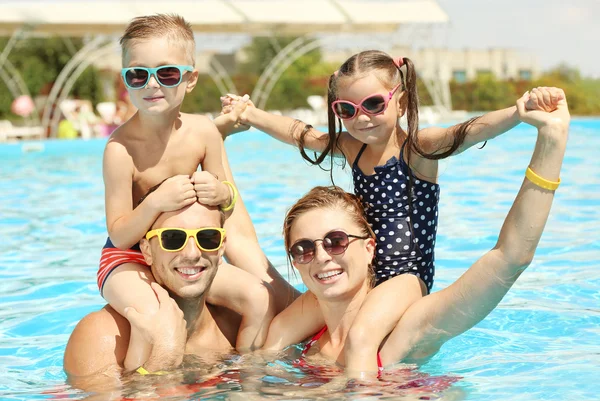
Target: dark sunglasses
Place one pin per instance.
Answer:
(166, 75)
(175, 239)
(372, 105)
(334, 243)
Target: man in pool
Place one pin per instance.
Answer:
(184, 250)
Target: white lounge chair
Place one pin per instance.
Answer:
(9, 132)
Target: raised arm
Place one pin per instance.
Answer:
(208, 183)
(282, 128)
(433, 320)
(213, 162)
(438, 140)
(126, 223)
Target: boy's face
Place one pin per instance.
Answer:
(154, 98)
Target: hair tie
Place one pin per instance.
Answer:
(335, 73)
(398, 61)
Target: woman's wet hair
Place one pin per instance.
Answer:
(328, 197)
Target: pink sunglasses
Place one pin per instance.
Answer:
(372, 105)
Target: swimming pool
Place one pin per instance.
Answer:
(541, 343)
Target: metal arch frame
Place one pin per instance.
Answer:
(55, 92)
(278, 65)
(436, 86)
(439, 91)
(12, 41)
(17, 87)
(221, 77)
(5, 75)
(11, 76)
(10, 84)
(68, 85)
(216, 71)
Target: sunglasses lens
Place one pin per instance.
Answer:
(136, 77)
(345, 110)
(374, 104)
(336, 242)
(303, 251)
(209, 239)
(173, 239)
(168, 76)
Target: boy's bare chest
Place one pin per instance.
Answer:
(152, 165)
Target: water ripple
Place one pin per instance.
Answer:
(542, 342)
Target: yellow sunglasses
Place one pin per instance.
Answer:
(208, 239)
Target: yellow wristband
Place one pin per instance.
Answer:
(144, 372)
(541, 182)
(233, 199)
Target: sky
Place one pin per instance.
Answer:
(556, 31)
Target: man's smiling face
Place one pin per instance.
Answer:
(189, 272)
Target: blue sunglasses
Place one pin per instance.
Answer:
(166, 75)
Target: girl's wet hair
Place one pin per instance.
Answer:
(330, 197)
(389, 72)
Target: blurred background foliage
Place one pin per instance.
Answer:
(40, 60)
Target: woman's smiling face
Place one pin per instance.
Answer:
(333, 276)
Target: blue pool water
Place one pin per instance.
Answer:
(541, 343)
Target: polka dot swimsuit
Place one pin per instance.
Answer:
(401, 248)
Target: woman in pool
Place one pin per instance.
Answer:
(331, 244)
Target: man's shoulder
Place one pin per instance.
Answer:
(98, 342)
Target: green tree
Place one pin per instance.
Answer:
(39, 61)
(204, 97)
(486, 93)
(307, 76)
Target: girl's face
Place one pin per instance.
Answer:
(330, 276)
(367, 128)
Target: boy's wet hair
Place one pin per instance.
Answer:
(174, 27)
